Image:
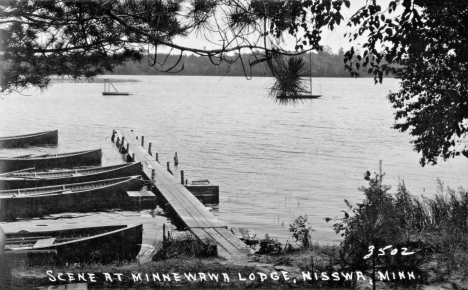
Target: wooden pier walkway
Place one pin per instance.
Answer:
(195, 216)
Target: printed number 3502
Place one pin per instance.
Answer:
(404, 251)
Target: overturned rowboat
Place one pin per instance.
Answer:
(79, 197)
(63, 160)
(80, 245)
(35, 139)
(40, 179)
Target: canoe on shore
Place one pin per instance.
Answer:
(78, 197)
(63, 160)
(40, 179)
(80, 245)
(19, 141)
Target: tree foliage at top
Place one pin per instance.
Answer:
(424, 44)
(85, 38)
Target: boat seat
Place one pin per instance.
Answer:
(44, 243)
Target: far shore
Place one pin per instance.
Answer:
(100, 79)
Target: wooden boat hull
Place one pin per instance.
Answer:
(99, 244)
(115, 94)
(66, 160)
(20, 141)
(305, 96)
(80, 197)
(40, 179)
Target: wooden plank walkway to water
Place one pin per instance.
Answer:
(195, 216)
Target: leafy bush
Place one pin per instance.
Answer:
(301, 231)
(270, 246)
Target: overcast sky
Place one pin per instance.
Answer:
(334, 38)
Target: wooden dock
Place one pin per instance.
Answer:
(195, 216)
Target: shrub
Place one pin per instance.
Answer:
(425, 226)
(301, 231)
(270, 246)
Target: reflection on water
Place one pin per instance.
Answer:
(273, 163)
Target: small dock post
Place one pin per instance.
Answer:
(153, 178)
(143, 141)
(149, 148)
(169, 168)
(157, 157)
(122, 144)
(113, 135)
(176, 160)
(133, 157)
(182, 177)
(128, 146)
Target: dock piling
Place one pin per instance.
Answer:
(149, 148)
(157, 157)
(143, 141)
(176, 160)
(128, 146)
(121, 144)
(117, 143)
(133, 157)
(169, 169)
(182, 177)
(113, 135)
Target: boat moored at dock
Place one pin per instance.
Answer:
(39, 179)
(34, 139)
(79, 197)
(61, 160)
(78, 245)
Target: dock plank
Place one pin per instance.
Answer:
(175, 194)
(190, 215)
(195, 216)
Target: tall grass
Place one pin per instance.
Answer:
(184, 245)
(431, 227)
(438, 223)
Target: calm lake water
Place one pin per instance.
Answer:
(272, 162)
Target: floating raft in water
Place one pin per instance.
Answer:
(19, 141)
(107, 92)
(206, 192)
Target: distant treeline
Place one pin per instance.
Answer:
(324, 64)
